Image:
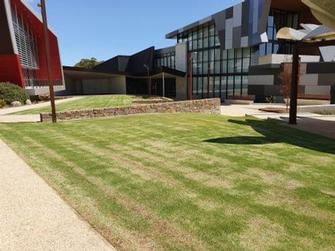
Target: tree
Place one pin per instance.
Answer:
(286, 80)
(88, 63)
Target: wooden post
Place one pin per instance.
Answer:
(48, 57)
(294, 85)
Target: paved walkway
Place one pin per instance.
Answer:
(310, 122)
(6, 115)
(7, 111)
(34, 217)
(322, 125)
(19, 118)
(243, 110)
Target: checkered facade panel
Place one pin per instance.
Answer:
(315, 79)
(243, 25)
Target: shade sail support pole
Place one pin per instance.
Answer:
(294, 85)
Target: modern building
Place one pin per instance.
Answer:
(154, 72)
(22, 49)
(231, 54)
(236, 53)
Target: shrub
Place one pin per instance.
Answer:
(2, 103)
(10, 92)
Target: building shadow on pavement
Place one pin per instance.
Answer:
(276, 132)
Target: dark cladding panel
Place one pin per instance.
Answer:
(110, 66)
(6, 46)
(123, 63)
(264, 10)
(230, 13)
(137, 62)
(115, 65)
(321, 67)
(245, 18)
(267, 69)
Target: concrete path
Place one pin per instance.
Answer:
(307, 121)
(34, 217)
(243, 110)
(310, 122)
(322, 125)
(10, 110)
(19, 118)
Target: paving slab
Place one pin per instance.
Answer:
(34, 217)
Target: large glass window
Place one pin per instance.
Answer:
(217, 72)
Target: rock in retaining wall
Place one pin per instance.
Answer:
(192, 106)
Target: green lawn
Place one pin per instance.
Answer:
(89, 102)
(189, 182)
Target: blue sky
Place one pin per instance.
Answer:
(106, 28)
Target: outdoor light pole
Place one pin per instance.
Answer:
(48, 58)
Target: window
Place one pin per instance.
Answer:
(217, 72)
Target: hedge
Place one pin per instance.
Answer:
(10, 92)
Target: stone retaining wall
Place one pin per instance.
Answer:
(193, 106)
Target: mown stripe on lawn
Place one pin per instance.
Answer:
(287, 197)
(164, 229)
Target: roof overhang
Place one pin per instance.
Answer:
(168, 71)
(81, 73)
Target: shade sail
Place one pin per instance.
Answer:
(309, 33)
(323, 10)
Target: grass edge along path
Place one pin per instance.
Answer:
(88, 102)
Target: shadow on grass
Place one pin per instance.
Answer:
(274, 132)
(243, 140)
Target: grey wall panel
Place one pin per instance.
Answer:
(255, 16)
(327, 79)
(309, 79)
(181, 57)
(237, 39)
(261, 80)
(328, 53)
(238, 15)
(317, 90)
(264, 6)
(244, 41)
